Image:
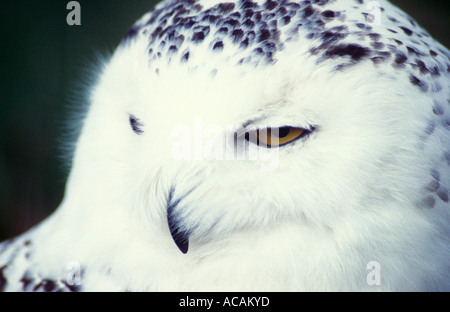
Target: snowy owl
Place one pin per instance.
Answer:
(256, 146)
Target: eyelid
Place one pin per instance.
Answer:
(269, 119)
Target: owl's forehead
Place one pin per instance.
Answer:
(341, 33)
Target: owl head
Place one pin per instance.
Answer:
(303, 130)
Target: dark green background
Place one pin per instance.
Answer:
(43, 63)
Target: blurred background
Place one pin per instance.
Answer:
(44, 63)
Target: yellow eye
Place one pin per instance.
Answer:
(275, 137)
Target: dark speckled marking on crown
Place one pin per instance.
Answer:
(442, 193)
(436, 188)
(427, 202)
(259, 30)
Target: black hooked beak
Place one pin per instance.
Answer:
(180, 237)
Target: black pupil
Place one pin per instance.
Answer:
(283, 132)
